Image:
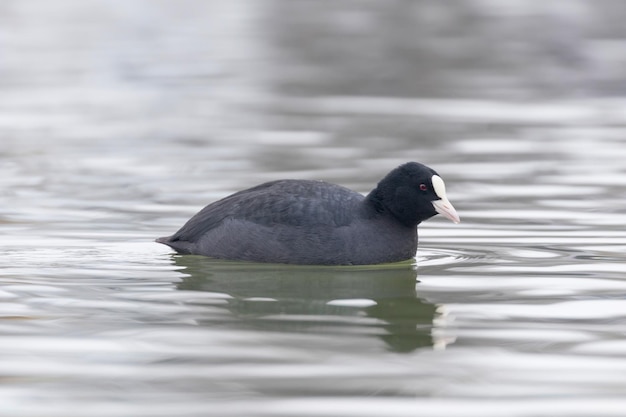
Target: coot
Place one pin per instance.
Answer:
(318, 223)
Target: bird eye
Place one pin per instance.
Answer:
(423, 187)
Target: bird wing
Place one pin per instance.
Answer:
(297, 203)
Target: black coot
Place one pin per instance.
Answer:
(317, 223)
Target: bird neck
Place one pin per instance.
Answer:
(376, 206)
(374, 201)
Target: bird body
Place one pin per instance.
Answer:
(314, 222)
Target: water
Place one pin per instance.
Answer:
(119, 120)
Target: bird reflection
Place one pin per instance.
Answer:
(379, 300)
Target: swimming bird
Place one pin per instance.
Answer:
(318, 223)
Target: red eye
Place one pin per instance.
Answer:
(423, 187)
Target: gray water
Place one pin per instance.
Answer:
(120, 119)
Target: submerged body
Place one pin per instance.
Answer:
(316, 223)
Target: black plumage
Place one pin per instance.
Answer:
(315, 222)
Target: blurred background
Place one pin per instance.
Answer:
(121, 119)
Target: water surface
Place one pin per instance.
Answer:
(119, 120)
